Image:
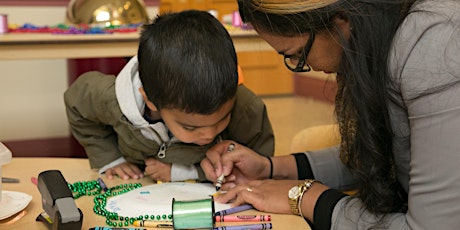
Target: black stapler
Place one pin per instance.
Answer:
(60, 210)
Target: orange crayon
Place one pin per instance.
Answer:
(243, 218)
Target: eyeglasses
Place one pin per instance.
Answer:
(301, 66)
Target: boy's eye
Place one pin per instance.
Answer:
(188, 128)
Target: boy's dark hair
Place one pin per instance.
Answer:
(187, 62)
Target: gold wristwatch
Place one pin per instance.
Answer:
(296, 193)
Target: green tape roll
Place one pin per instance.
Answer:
(193, 214)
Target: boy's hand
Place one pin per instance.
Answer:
(125, 171)
(157, 170)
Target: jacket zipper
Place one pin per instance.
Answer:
(162, 152)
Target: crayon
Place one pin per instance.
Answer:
(243, 218)
(110, 228)
(221, 178)
(246, 227)
(102, 184)
(151, 223)
(234, 210)
(219, 182)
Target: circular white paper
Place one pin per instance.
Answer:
(12, 203)
(156, 199)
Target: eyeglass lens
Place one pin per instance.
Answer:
(296, 63)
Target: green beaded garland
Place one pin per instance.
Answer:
(93, 188)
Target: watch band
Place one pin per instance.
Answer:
(308, 183)
(303, 187)
(293, 201)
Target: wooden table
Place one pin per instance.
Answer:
(73, 170)
(19, 46)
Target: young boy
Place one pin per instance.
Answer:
(168, 105)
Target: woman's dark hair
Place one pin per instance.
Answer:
(187, 61)
(364, 85)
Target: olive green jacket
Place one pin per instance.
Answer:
(111, 129)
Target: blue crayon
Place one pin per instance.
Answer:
(234, 210)
(102, 184)
(246, 227)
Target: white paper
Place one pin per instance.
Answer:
(156, 199)
(12, 203)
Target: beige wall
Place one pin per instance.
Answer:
(31, 104)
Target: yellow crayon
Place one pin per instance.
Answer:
(151, 223)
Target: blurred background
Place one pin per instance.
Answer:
(32, 113)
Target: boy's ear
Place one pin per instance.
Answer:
(240, 75)
(149, 104)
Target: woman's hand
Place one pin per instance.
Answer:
(157, 170)
(125, 171)
(272, 196)
(239, 166)
(264, 195)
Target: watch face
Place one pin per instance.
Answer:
(294, 192)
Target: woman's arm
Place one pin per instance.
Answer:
(284, 168)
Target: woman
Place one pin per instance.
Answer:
(397, 106)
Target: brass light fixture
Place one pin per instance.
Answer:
(106, 12)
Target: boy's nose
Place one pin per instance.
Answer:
(208, 134)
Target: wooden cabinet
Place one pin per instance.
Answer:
(264, 71)
(222, 7)
(179, 5)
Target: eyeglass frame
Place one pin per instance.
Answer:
(303, 58)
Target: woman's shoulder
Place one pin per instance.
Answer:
(431, 12)
(431, 27)
(448, 7)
